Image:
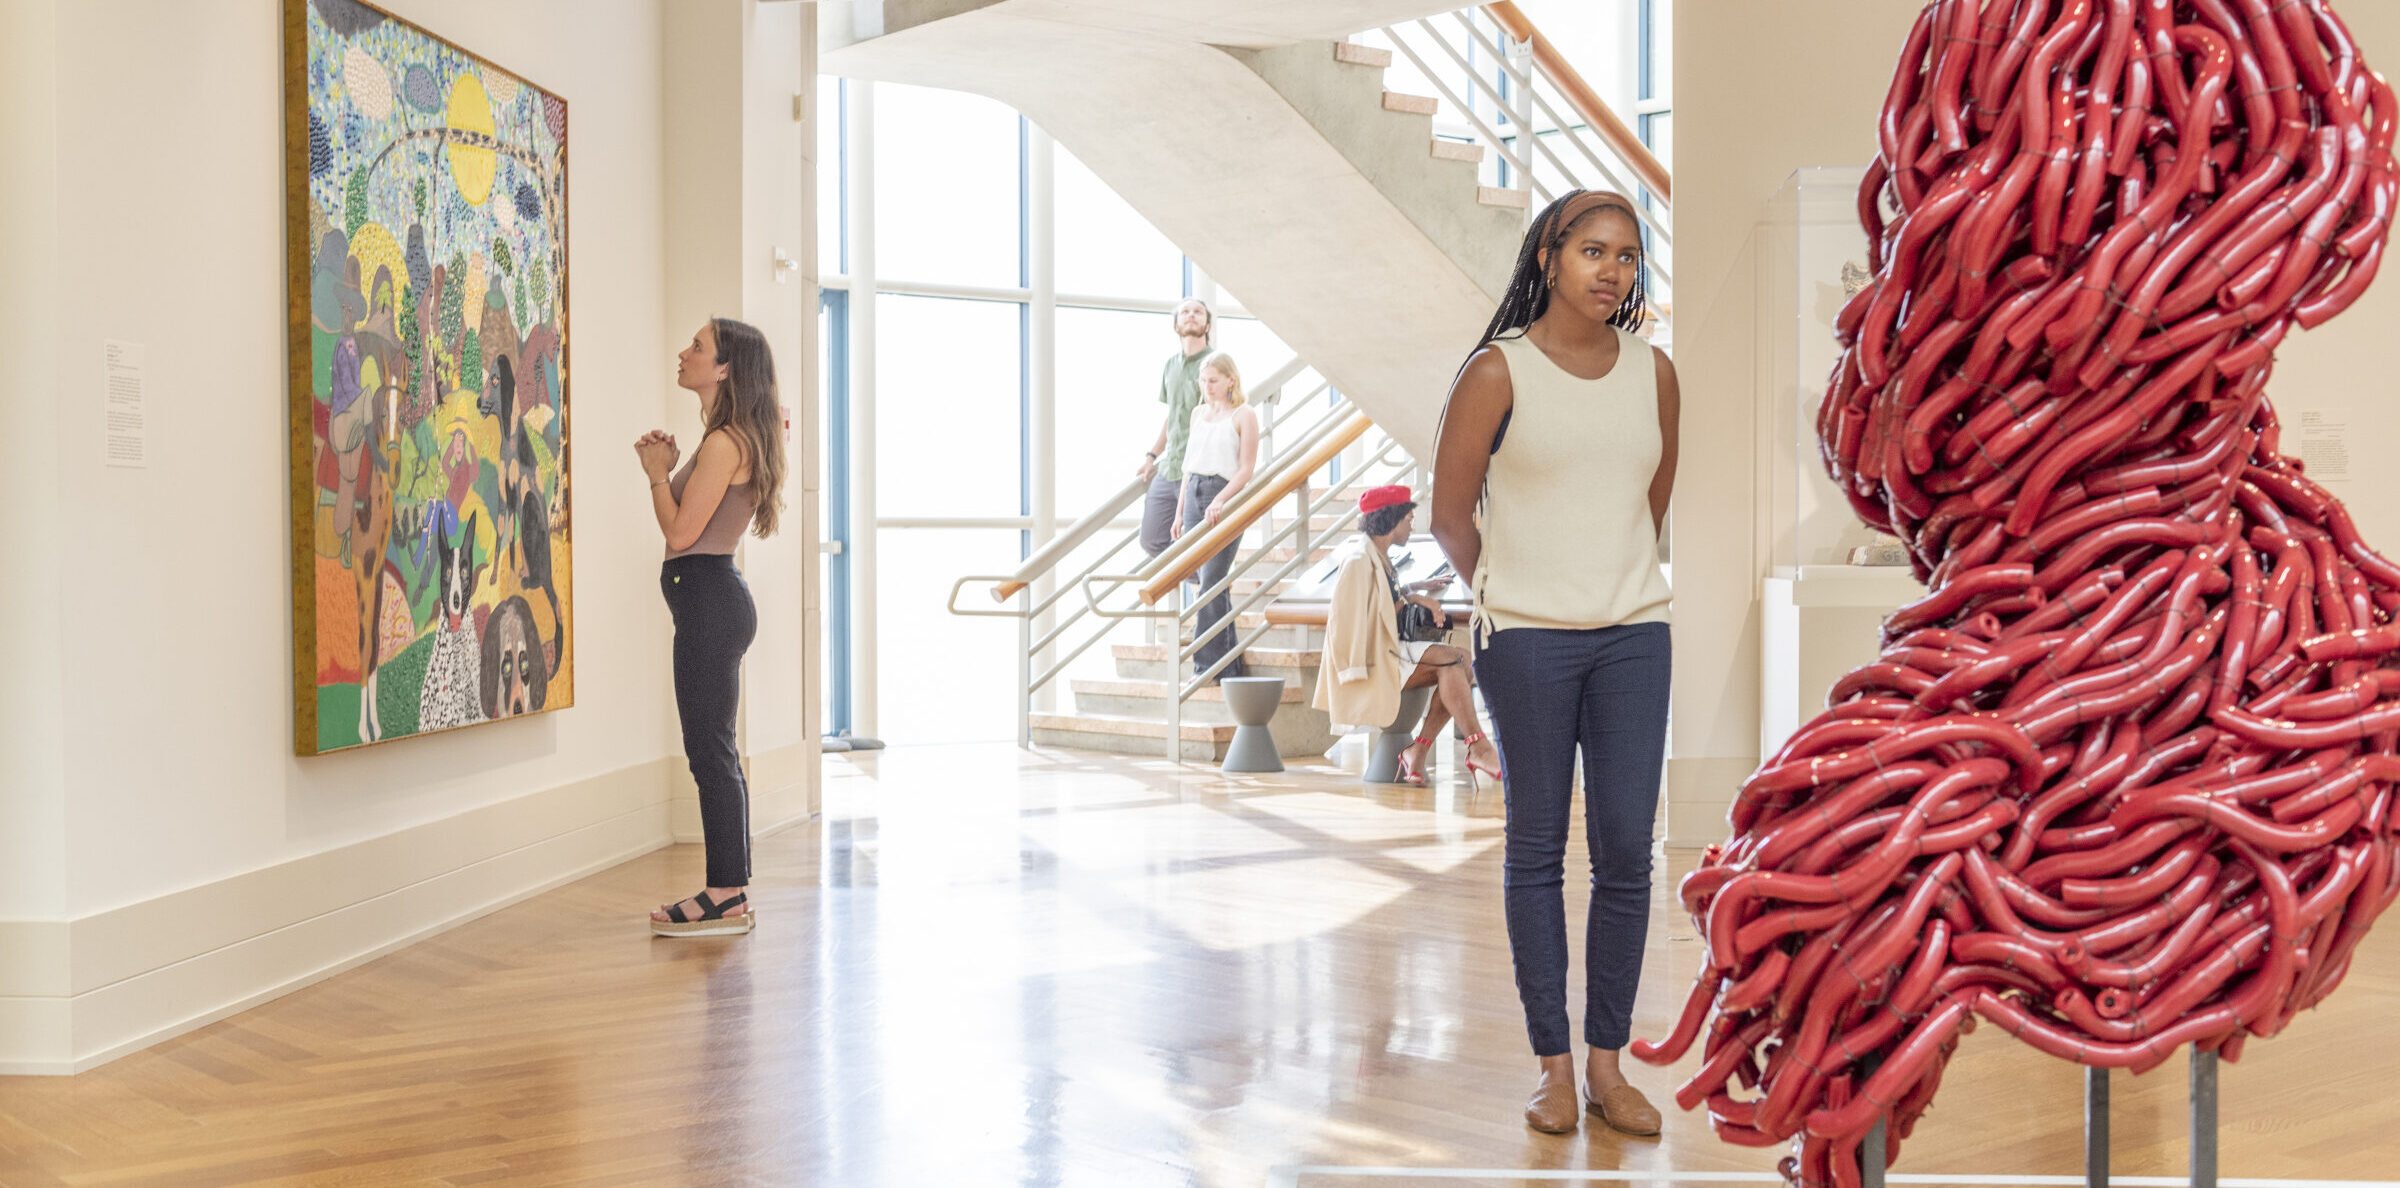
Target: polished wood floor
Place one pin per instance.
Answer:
(992, 967)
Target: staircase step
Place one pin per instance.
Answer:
(1134, 723)
(1504, 196)
(1423, 105)
(1201, 741)
(1258, 657)
(1147, 700)
(1214, 693)
(1132, 727)
(1151, 662)
(1457, 150)
(1361, 55)
(1299, 727)
(1287, 636)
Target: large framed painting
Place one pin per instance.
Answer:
(432, 550)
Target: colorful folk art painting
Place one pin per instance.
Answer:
(427, 198)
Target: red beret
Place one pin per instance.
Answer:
(1377, 497)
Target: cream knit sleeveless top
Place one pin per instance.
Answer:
(1567, 537)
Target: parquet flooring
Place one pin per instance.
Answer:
(985, 966)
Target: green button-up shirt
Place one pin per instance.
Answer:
(1179, 390)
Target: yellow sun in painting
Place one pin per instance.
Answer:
(472, 166)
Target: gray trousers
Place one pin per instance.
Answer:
(1158, 515)
(1203, 489)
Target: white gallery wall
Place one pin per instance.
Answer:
(1765, 87)
(164, 857)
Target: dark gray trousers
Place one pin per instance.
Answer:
(1158, 515)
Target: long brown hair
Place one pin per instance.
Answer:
(748, 407)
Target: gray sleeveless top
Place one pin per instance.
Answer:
(725, 528)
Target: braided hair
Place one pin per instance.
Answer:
(1527, 297)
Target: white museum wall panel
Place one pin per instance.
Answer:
(164, 857)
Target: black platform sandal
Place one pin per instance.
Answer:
(712, 920)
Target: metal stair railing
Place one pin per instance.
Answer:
(1468, 55)
(1561, 74)
(1384, 461)
(1303, 424)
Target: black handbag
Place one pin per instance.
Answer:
(1418, 624)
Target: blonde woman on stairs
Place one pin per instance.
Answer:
(1220, 455)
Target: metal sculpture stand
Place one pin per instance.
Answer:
(2204, 1123)
(2095, 1129)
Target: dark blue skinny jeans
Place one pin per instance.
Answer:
(1551, 692)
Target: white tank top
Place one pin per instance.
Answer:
(1567, 536)
(1214, 447)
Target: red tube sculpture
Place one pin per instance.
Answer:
(2123, 780)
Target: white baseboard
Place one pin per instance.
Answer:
(784, 792)
(76, 994)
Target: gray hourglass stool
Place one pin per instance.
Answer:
(1253, 702)
(1383, 763)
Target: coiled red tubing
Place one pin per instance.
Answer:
(2123, 780)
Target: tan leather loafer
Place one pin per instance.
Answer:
(1552, 1108)
(1624, 1108)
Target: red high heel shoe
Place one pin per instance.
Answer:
(1409, 774)
(1475, 769)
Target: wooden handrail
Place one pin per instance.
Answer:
(1229, 530)
(1050, 554)
(1065, 542)
(1586, 101)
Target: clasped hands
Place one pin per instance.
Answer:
(657, 451)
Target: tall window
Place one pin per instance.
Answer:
(952, 389)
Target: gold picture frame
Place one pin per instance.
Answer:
(426, 217)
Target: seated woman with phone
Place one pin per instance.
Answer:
(1382, 637)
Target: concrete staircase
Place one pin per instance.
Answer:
(1259, 142)
(1127, 714)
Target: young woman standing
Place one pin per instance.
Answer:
(732, 482)
(1563, 423)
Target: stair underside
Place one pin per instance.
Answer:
(1276, 211)
(1254, 24)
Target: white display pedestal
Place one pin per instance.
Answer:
(1819, 622)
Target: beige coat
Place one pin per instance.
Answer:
(1359, 679)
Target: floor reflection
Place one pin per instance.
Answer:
(1143, 974)
(986, 966)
